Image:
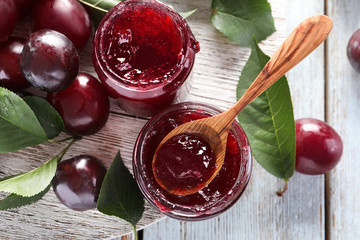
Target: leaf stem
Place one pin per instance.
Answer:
(280, 192)
(62, 153)
(135, 232)
(62, 140)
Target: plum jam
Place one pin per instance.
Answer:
(183, 162)
(143, 51)
(220, 194)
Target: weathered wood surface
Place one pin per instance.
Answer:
(343, 113)
(324, 86)
(260, 214)
(321, 89)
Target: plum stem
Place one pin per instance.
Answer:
(62, 153)
(281, 192)
(59, 141)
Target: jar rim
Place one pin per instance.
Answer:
(183, 28)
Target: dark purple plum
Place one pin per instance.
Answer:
(84, 106)
(66, 16)
(10, 75)
(78, 180)
(353, 50)
(49, 60)
(8, 18)
(24, 7)
(318, 146)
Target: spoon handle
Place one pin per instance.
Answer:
(301, 42)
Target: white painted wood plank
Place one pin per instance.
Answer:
(260, 214)
(343, 112)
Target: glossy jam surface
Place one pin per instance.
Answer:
(142, 46)
(220, 194)
(143, 52)
(184, 161)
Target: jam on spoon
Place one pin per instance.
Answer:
(184, 162)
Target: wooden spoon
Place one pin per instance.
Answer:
(300, 43)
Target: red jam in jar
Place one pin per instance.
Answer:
(220, 194)
(184, 162)
(143, 51)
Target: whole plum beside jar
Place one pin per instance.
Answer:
(49, 60)
(8, 18)
(10, 74)
(353, 50)
(84, 106)
(318, 146)
(66, 16)
(78, 180)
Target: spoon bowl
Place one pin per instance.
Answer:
(300, 43)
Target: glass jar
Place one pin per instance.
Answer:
(220, 194)
(143, 51)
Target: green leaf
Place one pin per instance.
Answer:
(187, 14)
(119, 195)
(239, 20)
(98, 8)
(49, 119)
(15, 201)
(30, 183)
(19, 127)
(269, 120)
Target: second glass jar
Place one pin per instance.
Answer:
(220, 194)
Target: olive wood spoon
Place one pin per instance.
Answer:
(300, 43)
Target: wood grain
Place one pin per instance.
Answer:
(343, 112)
(260, 214)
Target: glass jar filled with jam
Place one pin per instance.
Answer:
(220, 194)
(143, 52)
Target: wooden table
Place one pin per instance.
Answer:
(323, 86)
